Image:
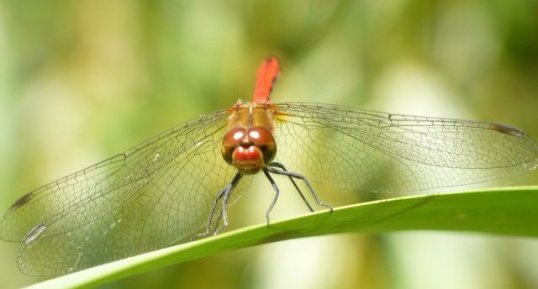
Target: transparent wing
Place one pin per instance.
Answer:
(161, 191)
(156, 194)
(375, 151)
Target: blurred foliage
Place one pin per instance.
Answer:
(82, 80)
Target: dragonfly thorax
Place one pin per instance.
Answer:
(249, 150)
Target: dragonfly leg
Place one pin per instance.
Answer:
(223, 196)
(278, 168)
(224, 213)
(277, 193)
(218, 226)
(297, 189)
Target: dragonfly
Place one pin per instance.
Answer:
(178, 185)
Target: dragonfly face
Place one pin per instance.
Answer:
(249, 150)
(249, 145)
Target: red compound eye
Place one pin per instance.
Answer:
(264, 140)
(231, 141)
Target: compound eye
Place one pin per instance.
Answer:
(264, 140)
(230, 141)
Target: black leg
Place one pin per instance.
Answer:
(224, 196)
(279, 165)
(277, 193)
(279, 169)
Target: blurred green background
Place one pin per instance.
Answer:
(83, 80)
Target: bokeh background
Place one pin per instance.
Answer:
(83, 80)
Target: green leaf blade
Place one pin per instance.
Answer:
(505, 211)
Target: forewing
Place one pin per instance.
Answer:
(376, 151)
(151, 196)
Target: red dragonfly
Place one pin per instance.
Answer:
(178, 185)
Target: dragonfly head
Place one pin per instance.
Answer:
(249, 150)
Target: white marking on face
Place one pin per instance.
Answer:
(254, 134)
(238, 135)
